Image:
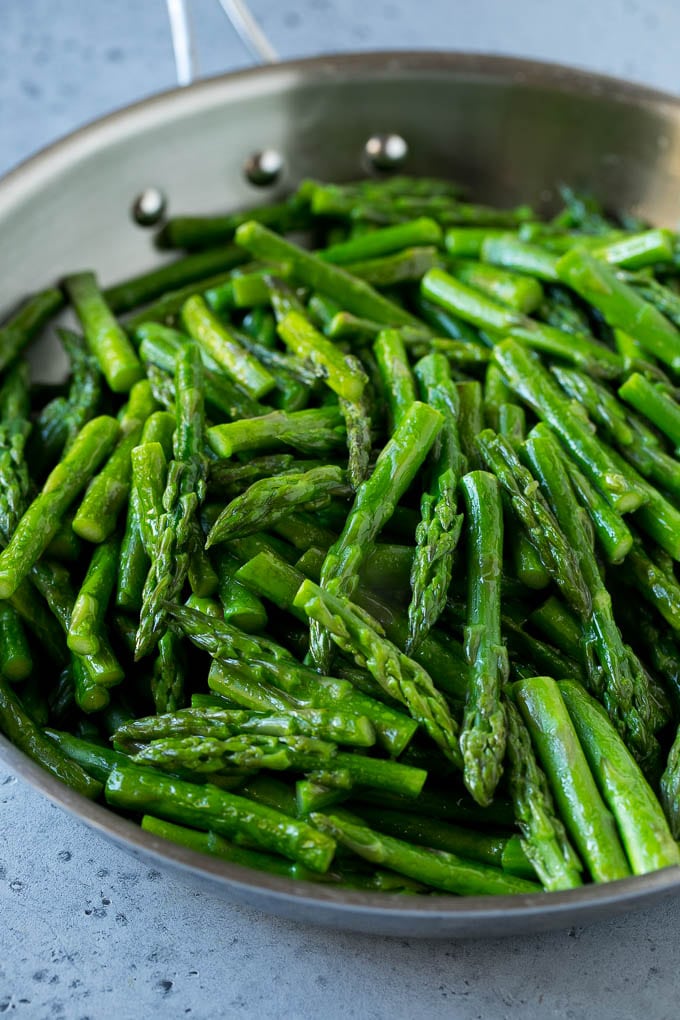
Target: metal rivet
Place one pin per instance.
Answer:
(149, 207)
(263, 168)
(386, 152)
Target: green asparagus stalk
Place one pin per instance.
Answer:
(22, 731)
(86, 625)
(98, 512)
(240, 606)
(523, 293)
(270, 499)
(616, 674)
(588, 821)
(318, 430)
(440, 526)
(374, 504)
(41, 520)
(544, 839)
(16, 661)
(641, 823)
(117, 359)
(532, 383)
(212, 809)
(437, 868)
(620, 304)
(402, 678)
(482, 739)
(395, 372)
(510, 252)
(656, 405)
(385, 241)
(308, 269)
(184, 493)
(214, 337)
(470, 421)
(534, 514)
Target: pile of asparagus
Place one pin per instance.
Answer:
(355, 560)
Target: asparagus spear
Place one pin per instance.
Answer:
(437, 868)
(405, 266)
(98, 512)
(482, 739)
(240, 606)
(86, 625)
(41, 520)
(654, 404)
(107, 341)
(511, 252)
(588, 821)
(317, 430)
(544, 839)
(353, 294)
(384, 241)
(22, 731)
(620, 304)
(214, 337)
(523, 293)
(209, 808)
(395, 372)
(184, 493)
(532, 383)
(643, 829)
(533, 512)
(615, 672)
(16, 661)
(440, 526)
(476, 308)
(374, 504)
(402, 678)
(266, 501)
(470, 421)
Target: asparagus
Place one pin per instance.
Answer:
(395, 372)
(510, 252)
(209, 808)
(470, 421)
(196, 232)
(421, 231)
(523, 293)
(533, 384)
(600, 404)
(214, 337)
(319, 723)
(167, 679)
(588, 821)
(440, 526)
(405, 266)
(184, 493)
(544, 839)
(476, 308)
(656, 405)
(98, 512)
(611, 531)
(620, 304)
(167, 308)
(310, 270)
(486, 848)
(655, 584)
(317, 430)
(375, 501)
(615, 672)
(16, 661)
(240, 606)
(107, 341)
(402, 678)
(22, 731)
(41, 520)
(643, 829)
(86, 625)
(269, 499)
(534, 514)
(227, 479)
(482, 738)
(436, 868)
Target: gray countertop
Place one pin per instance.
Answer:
(87, 931)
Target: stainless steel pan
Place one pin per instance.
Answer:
(510, 129)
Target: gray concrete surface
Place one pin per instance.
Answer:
(85, 930)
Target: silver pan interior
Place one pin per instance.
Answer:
(512, 130)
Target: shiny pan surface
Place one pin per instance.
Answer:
(512, 130)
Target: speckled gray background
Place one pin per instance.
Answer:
(85, 930)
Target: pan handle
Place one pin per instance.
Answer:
(242, 20)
